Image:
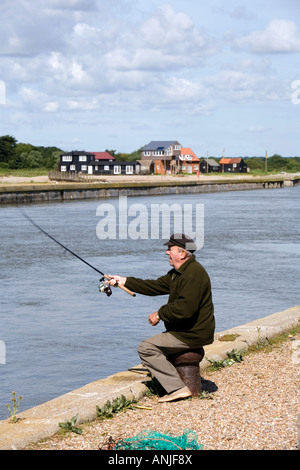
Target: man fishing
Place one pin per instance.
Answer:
(188, 315)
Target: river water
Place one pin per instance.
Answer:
(61, 333)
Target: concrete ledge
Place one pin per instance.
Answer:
(12, 194)
(251, 333)
(69, 186)
(43, 421)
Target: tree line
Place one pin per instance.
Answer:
(275, 163)
(14, 155)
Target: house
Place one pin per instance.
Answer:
(113, 167)
(189, 163)
(233, 165)
(96, 163)
(209, 165)
(77, 161)
(161, 153)
(102, 160)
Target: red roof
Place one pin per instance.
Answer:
(229, 160)
(103, 156)
(190, 153)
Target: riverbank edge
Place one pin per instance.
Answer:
(43, 420)
(56, 191)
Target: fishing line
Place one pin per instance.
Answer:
(102, 288)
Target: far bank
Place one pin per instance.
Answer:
(137, 186)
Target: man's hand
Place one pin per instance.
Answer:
(115, 280)
(153, 318)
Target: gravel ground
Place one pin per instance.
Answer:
(252, 405)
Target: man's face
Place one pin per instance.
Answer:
(175, 257)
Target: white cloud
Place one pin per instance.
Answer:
(51, 107)
(27, 30)
(83, 105)
(240, 86)
(179, 90)
(166, 41)
(174, 33)
(88, 60)
(278, 36)
(166, 28)
(38, 101)
(147, 60)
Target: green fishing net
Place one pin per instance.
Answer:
(149, 440)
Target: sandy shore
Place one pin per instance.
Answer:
(140, 178)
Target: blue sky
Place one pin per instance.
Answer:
(95, 74)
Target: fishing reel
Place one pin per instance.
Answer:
(104, 287)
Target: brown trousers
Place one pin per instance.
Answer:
(153, 353)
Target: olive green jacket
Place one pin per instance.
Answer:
(189, 312)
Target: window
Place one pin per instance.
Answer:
(72, 167)
(63, 168)
(129, 169)
(146, 153)
(117, 170)
(82, 158)
(106, 167)
(67, 158)
(177, 147)
(83, 167)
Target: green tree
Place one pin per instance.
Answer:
(52, 160)
(34, 159)
(7, 148)
(255, 163)
(277, 163)
(136, 154)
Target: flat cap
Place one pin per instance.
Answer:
(183, 241)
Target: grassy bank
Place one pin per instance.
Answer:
(24, 172)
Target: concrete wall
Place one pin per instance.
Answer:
(76, 191)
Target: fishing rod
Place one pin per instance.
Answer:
(102, 287)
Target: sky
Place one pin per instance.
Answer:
(218, 76)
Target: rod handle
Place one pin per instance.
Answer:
(121, 287)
